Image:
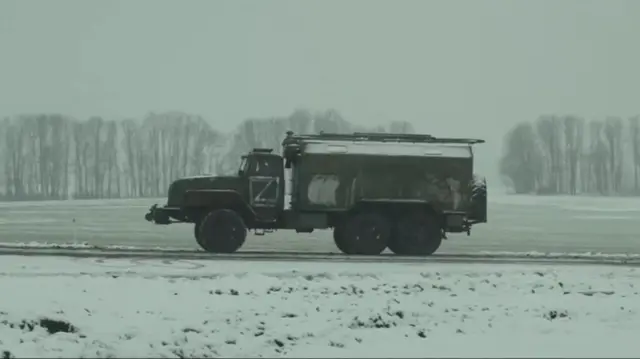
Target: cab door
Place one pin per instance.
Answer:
(263, 191)
(264, 187)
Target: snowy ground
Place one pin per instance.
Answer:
(61, 307)
(516, 224)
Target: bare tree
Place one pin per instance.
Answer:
(522, 164)
(51, 156)
(634, 126)
(573, 130)
(575, 158)
(613, 134)
(547, 130)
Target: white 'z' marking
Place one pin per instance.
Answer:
(258, 199)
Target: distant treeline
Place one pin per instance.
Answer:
(569, 155)
(53, 156)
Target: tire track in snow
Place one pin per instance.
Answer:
(172, 257)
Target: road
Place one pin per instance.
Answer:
(171, 257)
(517, 224)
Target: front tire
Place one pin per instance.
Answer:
(417, 234)
(366, 233)
(222, 231)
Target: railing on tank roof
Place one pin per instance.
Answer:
(377, 137)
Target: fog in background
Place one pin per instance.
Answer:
(451, 68)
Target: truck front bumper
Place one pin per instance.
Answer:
(160, 215)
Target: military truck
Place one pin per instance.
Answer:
(403, 192)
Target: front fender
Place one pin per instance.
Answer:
(220, 199)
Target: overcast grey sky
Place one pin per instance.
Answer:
(453, 68)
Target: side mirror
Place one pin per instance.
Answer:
(240, 173)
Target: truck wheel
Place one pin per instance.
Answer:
(417, 234)
(222, 231)
(196, 231)
(366, 233)
(338, 238)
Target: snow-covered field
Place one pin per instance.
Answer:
(516, 224)
(61, 307)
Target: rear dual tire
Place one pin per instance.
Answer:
(417, 234)
(364, 234)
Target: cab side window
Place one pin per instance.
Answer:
(264, 166)
(252, 166)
